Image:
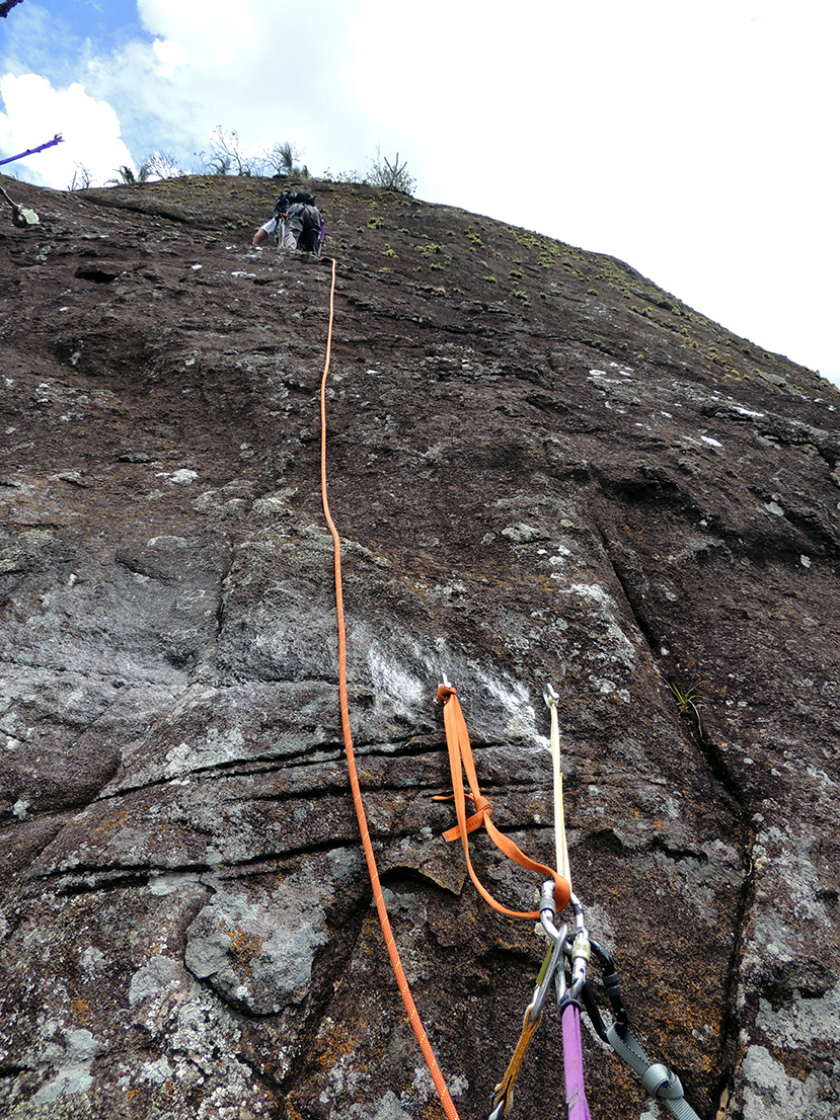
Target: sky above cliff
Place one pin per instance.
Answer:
(697, 142)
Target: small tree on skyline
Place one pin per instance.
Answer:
(226, 155)
(392, 176)
(161, 165)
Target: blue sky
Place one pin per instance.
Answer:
(695, 141)
(107, 23)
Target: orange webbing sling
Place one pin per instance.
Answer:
(460, 754)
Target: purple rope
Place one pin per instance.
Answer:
(573, 1064)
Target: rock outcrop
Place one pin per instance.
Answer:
(544, 469)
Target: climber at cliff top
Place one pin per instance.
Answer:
(296, 221)
(22, 217)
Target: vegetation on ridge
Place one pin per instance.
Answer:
(227, 155)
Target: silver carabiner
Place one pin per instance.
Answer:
(548, 910)
(557, 961)
(580, 950)
(560, 937)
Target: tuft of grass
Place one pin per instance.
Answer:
(688, 702)
(685, 700)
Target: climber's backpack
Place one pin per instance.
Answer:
(314, 232)
(302, 204)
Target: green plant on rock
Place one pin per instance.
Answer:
(127, 177)
(82, 178)
(531, 240)
(685, 700)
(391, 176)
(283, 158)
(688, 701)
(344, 177)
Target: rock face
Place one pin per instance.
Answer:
(544, 469)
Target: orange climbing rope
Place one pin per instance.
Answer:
(393, 952)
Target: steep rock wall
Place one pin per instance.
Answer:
(543, 469)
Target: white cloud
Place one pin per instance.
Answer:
(270, 72)
(170, 55)
(35, 112)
